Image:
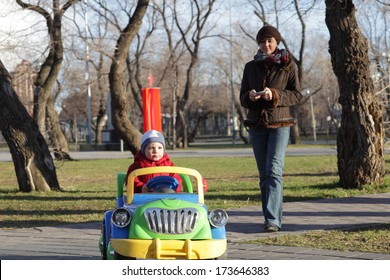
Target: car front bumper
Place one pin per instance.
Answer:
(170, 249)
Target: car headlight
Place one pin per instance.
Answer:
(218, 218)
(121, 217)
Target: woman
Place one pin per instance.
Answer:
(269, 87)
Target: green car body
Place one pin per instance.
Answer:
(163, 225)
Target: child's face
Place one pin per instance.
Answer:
(154, 151)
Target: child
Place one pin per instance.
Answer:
(152, 154)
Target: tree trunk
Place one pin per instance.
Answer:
(57, 138)
(34, 166)
(100, 122)
(47, 76)
(295, 137)
(125, 129)
(242, 128)
(360, 147)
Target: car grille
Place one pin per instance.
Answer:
(167, 221)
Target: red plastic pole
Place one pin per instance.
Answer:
(151, 109)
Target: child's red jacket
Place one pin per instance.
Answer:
(140, 161)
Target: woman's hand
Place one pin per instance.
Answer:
(266, 94)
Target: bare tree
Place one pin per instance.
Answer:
(135, 64)
(192, 32)
(74, 105)
(34, 166)
(174, 53)
(360, 147)
(237, 60)
(48, 73)
(374, 21)
(108, 17)
(125, 129)
(100, 89)
(55, 133)
(95, 39)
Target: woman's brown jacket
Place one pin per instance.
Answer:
(283, 81)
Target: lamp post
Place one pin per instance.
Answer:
(89, 114)
(231, 76)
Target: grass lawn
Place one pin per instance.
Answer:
(373, 239)
(90, 189)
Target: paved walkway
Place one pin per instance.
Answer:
(80, 241)
(300, 217)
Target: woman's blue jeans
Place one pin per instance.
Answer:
(269, 147)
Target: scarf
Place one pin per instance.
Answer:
(281, 57)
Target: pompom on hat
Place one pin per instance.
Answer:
(151, 136)
(268, 31)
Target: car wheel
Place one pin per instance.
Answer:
(121, 257)
(222, 257)
(103, 252)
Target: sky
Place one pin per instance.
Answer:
(15, 21)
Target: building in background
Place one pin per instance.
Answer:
(23, 82)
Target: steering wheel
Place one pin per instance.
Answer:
(166, 184)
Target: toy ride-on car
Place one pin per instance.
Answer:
(162, 223)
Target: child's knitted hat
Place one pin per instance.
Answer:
(151, 136)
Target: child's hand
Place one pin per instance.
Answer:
(145, 189)
(205, 185)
